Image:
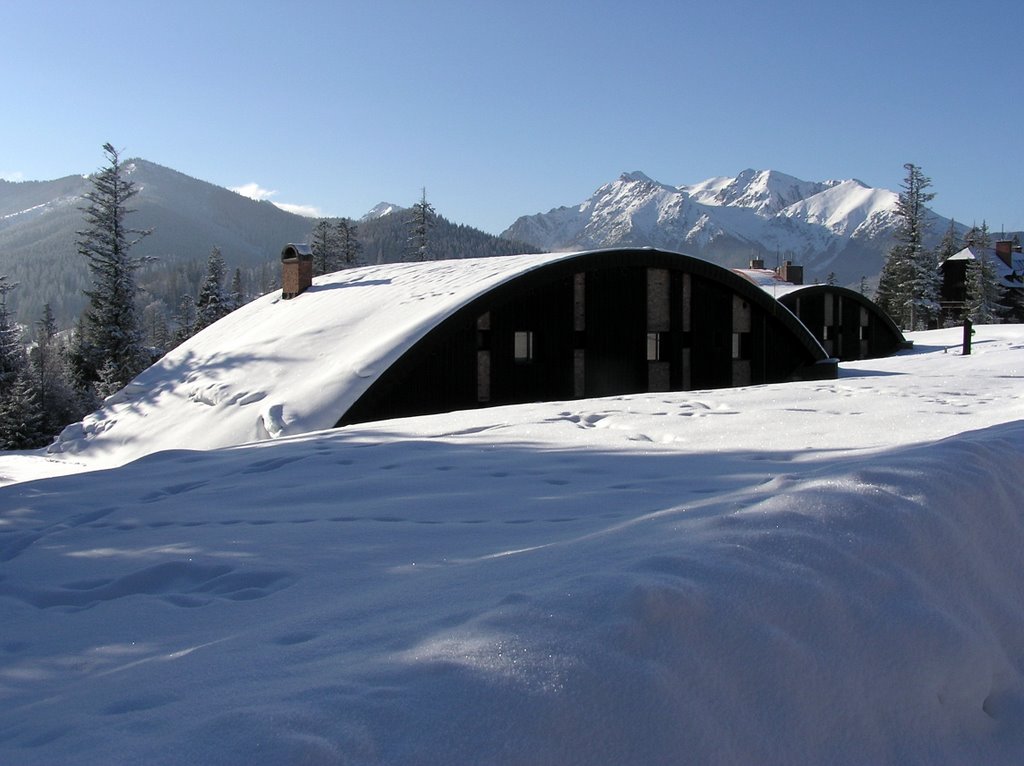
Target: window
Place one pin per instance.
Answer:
(653, 346)
(523, 346)
(740, 346)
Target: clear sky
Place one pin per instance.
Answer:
(501, 109)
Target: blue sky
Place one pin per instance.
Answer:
(502, 109)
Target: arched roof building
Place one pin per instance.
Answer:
(416, 338)
(592, 324)
(848, 325)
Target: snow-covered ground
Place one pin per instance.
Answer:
(821, 572)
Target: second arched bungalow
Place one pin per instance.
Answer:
(847, 324)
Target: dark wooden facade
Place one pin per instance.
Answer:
(848, 325)
(598, 324)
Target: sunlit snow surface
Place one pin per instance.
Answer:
(822, 572)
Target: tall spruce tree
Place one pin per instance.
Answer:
(111, 338)
(908, 287)
(420, 224)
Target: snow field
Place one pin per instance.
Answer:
(824, 572)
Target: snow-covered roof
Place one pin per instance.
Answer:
(281, 367)
(769, 281)
(277, 368)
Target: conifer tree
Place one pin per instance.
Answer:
(12, 351)
(213, 302)
(111, 336)
(20, 416)
(420, 224)
(59, 402)
(237, 293)
(154, 327)
(985, 294)
(185, 319)
(349, 246)
(978, 237)
(950, 244)
(324, 246)
(908, 288)
(43, 357)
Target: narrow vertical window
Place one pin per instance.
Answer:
(523, 346)
(653, 346)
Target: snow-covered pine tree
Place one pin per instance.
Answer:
(420, 224)
(908, 287)
(20, 416)
(12, 350)
(59, 402)
(111, 335)
(213, 302)
(985, 295)
(349, 246)
(892, 293)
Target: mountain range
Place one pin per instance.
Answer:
(833, 228)
(843, 228)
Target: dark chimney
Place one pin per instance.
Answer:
(296, 270)
(757, 263)
(792, 274)
(1004, 249)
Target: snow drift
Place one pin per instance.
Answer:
(821, 572)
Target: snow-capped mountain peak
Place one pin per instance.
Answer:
(380, 210)
(767, 192)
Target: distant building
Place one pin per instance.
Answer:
(1008, 262)
(848, 325)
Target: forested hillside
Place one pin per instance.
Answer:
(188, 218)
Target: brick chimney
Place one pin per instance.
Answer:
(296, 270)
(757, 263)
(1004, 249)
